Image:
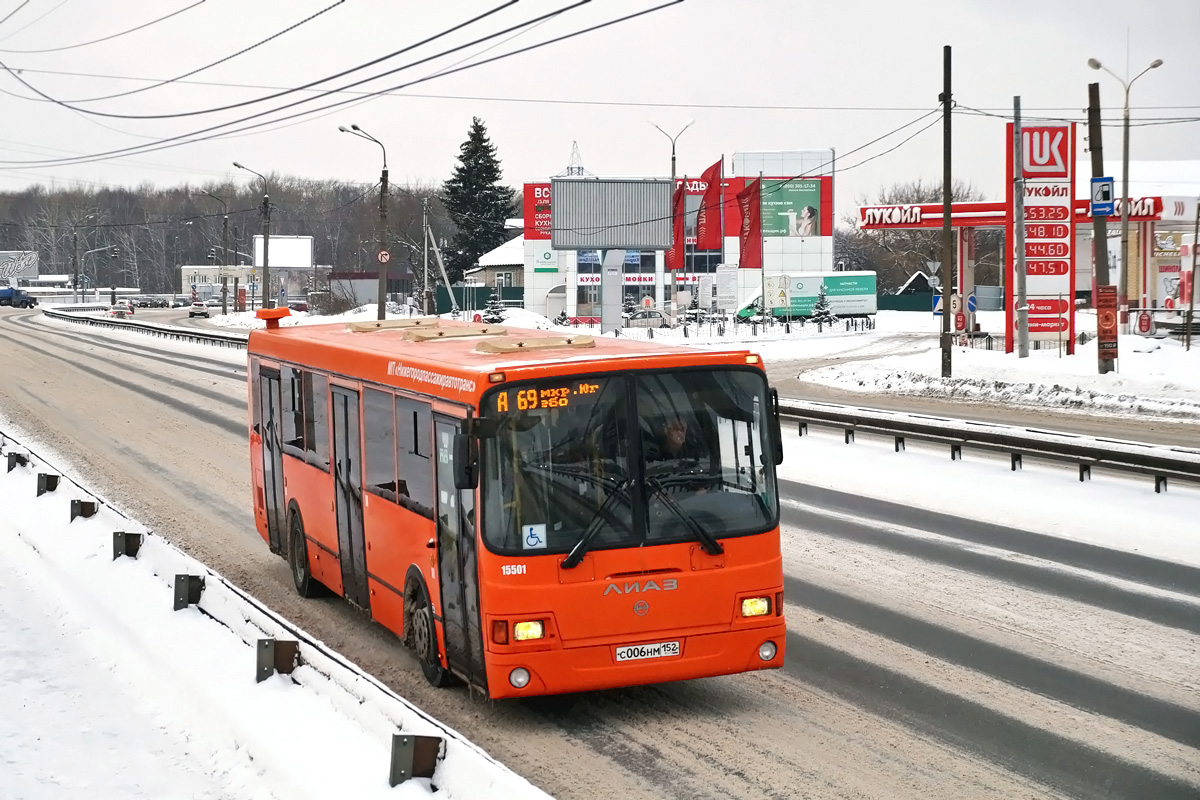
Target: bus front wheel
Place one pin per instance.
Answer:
(423, 635)
(306, 584)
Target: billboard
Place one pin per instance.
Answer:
(286, 251)
(16, 264)
(795, 294)
(610, 214)
(791, 208)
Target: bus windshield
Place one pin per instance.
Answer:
(641, 458)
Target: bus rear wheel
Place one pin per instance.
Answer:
(423, 636)
(306, 584)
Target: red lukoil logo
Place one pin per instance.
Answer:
(1045, 152)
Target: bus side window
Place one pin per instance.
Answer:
(293, 412)
(255, 398)
(379, 437)
(414, 446)
(316, 419)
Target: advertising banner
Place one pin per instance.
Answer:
(791, 208)
(847, 294)
(16, 264)
(536, 202)
(1106, 321)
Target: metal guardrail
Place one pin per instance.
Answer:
(218, 338)
(1163, 462)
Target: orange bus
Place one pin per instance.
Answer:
(530, 511)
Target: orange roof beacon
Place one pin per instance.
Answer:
(532, 512)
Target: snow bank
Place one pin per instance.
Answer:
(110, 693)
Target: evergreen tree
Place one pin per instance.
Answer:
(822, 312)
(629, 306)
(476, 202)
(493, 313)
(562, 318)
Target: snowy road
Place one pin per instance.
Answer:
(929, 656)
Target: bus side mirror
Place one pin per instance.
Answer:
(776, 432)
(466, 461)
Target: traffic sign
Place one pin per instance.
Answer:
(971, 304)
(937, 305)
(1102, 197)
(384, 256)
(955, 303)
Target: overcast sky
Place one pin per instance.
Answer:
(850, 71)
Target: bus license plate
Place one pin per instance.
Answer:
(635, 652)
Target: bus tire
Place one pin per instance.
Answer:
(306, 584)
(421, 633)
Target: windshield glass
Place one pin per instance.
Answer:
(625, 461)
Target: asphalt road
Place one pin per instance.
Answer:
(982, 662)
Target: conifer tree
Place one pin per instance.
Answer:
(493, 313)
(822, 312)
(477, 203)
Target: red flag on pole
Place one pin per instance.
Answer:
(708, 218)
(750, 203)
(675, 256)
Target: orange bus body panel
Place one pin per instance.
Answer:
(587, 611)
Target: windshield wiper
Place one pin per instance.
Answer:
(617, 491)
(710, 544)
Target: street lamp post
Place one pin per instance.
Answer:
(383, 256)
(1124, 277)
(690, 122)
(268, 300)
(224, 250)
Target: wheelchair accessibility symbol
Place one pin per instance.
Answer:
(533, 537)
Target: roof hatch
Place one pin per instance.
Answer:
(513, 344)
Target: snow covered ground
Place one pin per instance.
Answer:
(108, 692)
(1115, 511)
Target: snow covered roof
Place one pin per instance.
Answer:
(509, 254)
(912, 278)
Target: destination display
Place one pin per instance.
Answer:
(539, 396)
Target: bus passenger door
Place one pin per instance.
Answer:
(272, 454)
(348, 495)
(457, 567)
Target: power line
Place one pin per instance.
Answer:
(34, 21)
(284, 93)
(196, 136)
(230, 57)
(14, 11)
(105, 38)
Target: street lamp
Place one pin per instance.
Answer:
(268, 301)
(224, 250)
(690, 122)
(1095, 64)
(383, 256)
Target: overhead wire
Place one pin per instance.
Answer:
(14, 11)
(196, 136)
(276, 95)
(34, 21)
(219, 61)
(143, 26)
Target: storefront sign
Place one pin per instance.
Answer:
(537, 211)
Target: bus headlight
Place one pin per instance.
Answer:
(519, 678)
(767, 651)
(756, 606)
(524, 631)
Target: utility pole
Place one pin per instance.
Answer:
(75, 263)
(947, 231)
(425, 255)
(225, 263)
(1099, 222)
(1019, 234)
(383, 257)
(268, 298)
(1187, 326)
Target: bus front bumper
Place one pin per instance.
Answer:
(587, 668)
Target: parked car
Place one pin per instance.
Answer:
(298, 305)
(197, 309)
(180, 302)
(648, 318)
(214, 301)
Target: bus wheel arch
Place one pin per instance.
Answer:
(420, 632)
(297, 554)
